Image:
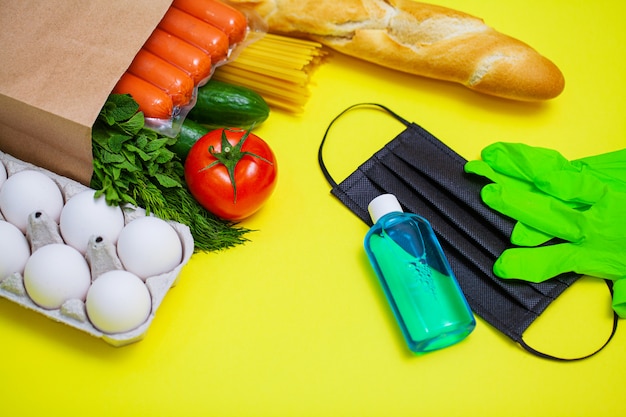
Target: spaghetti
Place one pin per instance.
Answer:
(276, 67)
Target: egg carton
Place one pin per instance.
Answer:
(73, 312)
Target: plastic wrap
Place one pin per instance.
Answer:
(193, 44)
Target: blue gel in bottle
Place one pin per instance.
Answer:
(416, 278)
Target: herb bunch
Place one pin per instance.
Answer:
(133, 165)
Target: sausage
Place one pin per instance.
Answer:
(197, 32)
(224, 17)
(174, 81)
(180, 53)
(153, 102)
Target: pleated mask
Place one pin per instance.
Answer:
(428, 179)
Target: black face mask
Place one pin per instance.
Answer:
(428, 178)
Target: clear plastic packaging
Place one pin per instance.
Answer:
(416, 278)
(166, 44)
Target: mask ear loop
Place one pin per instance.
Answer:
(320, 157)
(519, 340)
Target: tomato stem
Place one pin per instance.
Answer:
(230, 157)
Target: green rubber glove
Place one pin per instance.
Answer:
(582, 202)
(577, 181)
(533, 169)
(596, 237)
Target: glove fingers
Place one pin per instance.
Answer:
(524, 235)
(483, 169)
(538, 211)
(523, 161)
(540, 263)
(578, 188)
(536, 264)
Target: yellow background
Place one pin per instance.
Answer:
(294, 323)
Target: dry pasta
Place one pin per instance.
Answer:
(277, 67)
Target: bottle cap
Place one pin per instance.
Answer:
(383, 204)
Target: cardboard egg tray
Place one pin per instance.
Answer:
(73, 312)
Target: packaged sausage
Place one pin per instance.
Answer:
(192, 39)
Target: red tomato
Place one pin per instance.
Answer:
(231, 172)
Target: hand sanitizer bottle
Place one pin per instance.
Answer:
(416, 277)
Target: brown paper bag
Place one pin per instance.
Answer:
(59, 60)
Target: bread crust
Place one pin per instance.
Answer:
(421, 39)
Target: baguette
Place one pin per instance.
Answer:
(421, 39)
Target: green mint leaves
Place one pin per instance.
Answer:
(133, 164)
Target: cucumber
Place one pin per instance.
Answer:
(221, 104)
(189, 134)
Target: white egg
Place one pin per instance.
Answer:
(26, 192)
(56, 273)
(149, 246)
(14, 250)
(84, 216)
(3, 174)
(117, 302)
